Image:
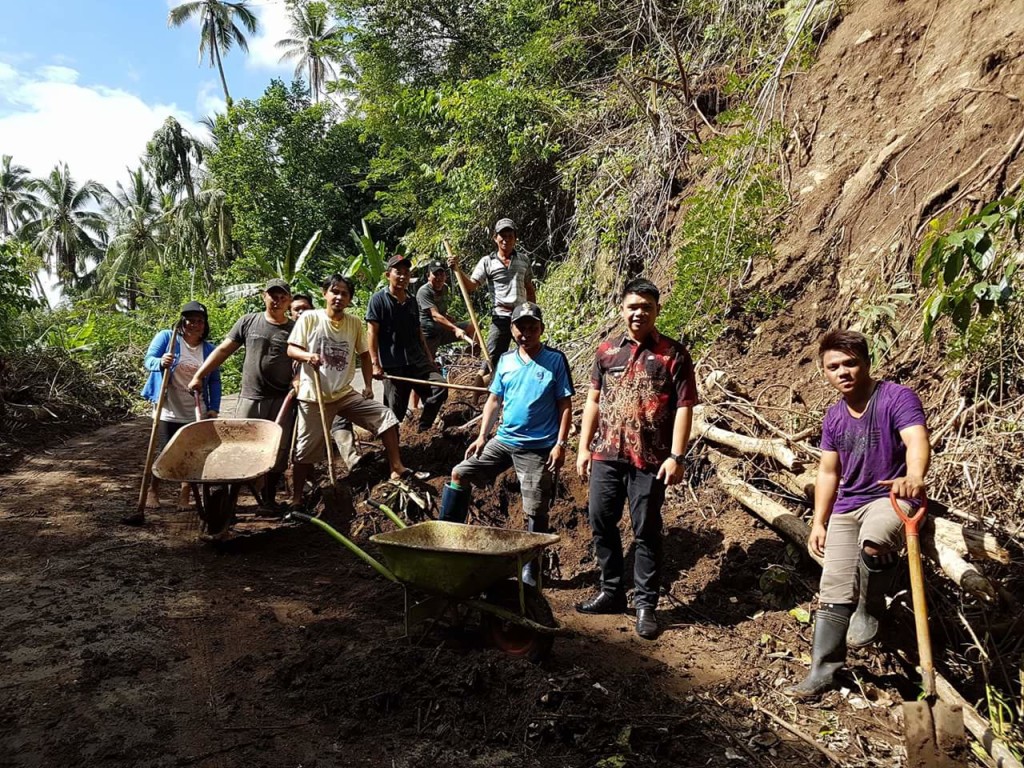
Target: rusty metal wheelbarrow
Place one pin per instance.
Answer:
(217, 457)
(474, 566)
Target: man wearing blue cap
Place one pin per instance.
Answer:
(532, 390)
(509, 280)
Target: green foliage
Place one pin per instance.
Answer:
(285, 166)
(16, 288)
(973, 267)
(724, 228)
(291, 267)
(878, 319)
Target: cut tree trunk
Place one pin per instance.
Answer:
(773, 449)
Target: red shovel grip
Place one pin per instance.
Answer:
(913, 522)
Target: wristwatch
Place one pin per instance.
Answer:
(676, 457)
(561, 443)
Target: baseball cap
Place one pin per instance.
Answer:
(527, 309)
(278, 283)
(397, 259)
(194, 306)
(504, 224)
(436, 266)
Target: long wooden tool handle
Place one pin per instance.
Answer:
(323, 423)
(147, 473)
(461, 387)
(460, 279)
(924, 641)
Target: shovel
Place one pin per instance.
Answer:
(934, 731)
(329, 494)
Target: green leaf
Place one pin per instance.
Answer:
(800, 614)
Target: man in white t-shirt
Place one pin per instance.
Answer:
(330, 340)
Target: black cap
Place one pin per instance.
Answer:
(436, 266)
(527, 309)
(397, 259)
(194, 306)
(502, 224)
(278, 283)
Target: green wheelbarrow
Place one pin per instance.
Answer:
(474, 566)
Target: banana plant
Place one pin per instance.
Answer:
(370, 259)
(290, 267)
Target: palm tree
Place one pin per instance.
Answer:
(314, 45)
(65, 232)
(17, 201)
(137, 219)
(171, 156)
(218, 29)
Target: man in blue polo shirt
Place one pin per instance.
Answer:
(532, 390)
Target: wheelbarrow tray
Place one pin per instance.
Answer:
(220, 451)
(455, 560)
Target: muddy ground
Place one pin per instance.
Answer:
(147, 647)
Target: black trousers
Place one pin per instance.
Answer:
(396, 393)
(611, 484)
(498, 338)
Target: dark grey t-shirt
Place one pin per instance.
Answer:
(427, 298)
(398, 336)
(267, 370)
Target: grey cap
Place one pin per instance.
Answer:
(436, 266)
(503, 224)
(527, 310)
(279, 284)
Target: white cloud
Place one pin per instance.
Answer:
(274, 26)
(210, 99)
(47, 116)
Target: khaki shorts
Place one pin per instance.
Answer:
(876, 522)
(368, 414)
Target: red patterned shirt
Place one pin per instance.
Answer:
(641, 385)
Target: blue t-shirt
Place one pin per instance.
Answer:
(530, 392)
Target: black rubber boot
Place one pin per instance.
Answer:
(876, 574)
(534, 524)
(454, 504)
(828, 651)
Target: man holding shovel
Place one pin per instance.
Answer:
(432, 297)
(509, 279)
(398, 348)
(636, 424)
(874, 441)
(328, 341)
(532, 391)
(266, 371)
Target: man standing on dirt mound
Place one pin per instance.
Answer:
(873, 441)
(398, 348)
(266, 372)
(509, 279)
(532, 390)
(329, 340)
(636, 424)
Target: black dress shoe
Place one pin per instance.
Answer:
(603, 602)
(646, 623)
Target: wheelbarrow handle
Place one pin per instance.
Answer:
(285, 406)
(913, 522)
(199, 404)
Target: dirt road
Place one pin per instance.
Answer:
(145, 647)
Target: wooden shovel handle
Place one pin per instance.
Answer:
(460, 279)
(323, 423)
(924, 640)
(147, 472)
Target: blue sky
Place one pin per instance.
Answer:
(88, 81)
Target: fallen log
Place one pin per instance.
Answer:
(767, 509)
(779, 517)
(773, 449)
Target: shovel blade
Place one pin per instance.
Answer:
(934, 735)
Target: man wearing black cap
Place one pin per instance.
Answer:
(532, 390)
(438, 326)
(398, 348)
(509, 279)
(266, 371)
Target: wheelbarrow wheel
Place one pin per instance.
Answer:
(515, 639)
(217, 509)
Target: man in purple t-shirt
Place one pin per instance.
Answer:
(873, 441)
